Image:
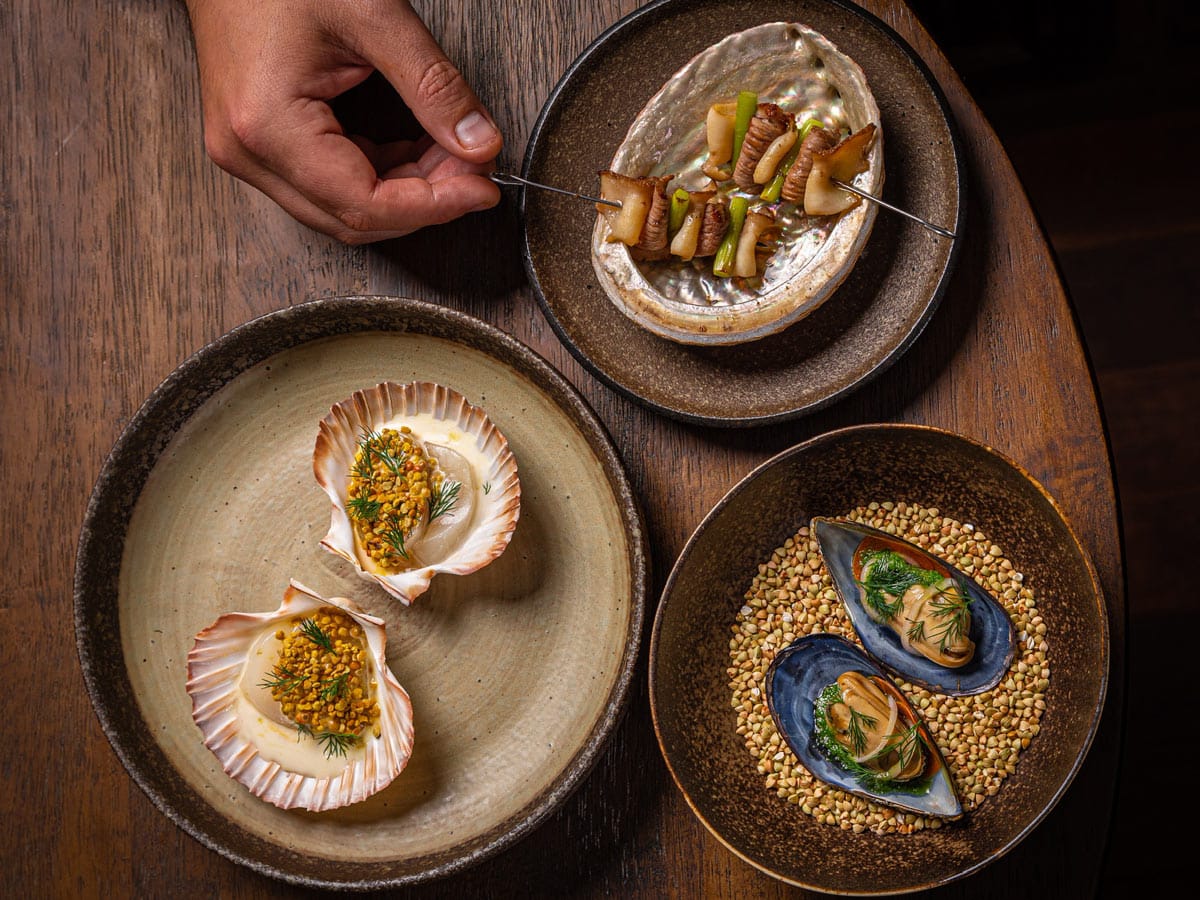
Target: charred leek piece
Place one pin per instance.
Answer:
(747, 106)
(680, 200)
(774, 189)
(727, 252)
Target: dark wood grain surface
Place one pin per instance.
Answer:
(125, 250)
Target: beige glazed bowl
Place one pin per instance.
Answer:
(517, 672)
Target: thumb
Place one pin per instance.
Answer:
(401, 47)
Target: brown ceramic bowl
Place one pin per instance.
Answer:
(872, 318)
(208, 505)
(827, 476)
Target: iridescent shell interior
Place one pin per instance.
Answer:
(801, 71)
(256, 751)
(445, 421)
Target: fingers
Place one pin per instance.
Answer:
(334, 184)
(401, 47)
(267, 122)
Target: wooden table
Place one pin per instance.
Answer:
(125, 250)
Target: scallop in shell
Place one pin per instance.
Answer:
(247, 688)
(910, 773)
(963, 621)
(800, 70)
(421, 482)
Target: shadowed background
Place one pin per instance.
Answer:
(1096, 105)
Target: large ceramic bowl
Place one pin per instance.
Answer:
(689, 653)
(517, 672)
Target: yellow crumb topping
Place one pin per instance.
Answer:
(322, 679)
(391, 482)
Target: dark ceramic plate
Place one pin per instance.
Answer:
(208, 505)
(864, 327)
(689, 653)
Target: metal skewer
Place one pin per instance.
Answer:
(507, 180)
(936, 229)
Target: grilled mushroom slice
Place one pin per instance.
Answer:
(652, 244)
(849, 158)
(635, 196)
(713, 227)
(817, 140)
(769, 122)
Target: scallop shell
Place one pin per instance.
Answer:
(440, 416)
(800, 70)
(991, 627)
(215, 667)
(798, 674)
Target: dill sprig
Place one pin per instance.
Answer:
(916, 631)
(335, 743)
(334, 687)
(364, 508)
(889, 576)
(282, 678)
(313, 632)
(363, 468)
(906, 744)
(374, 448)
(373, 442)
(393, 536)
(443, 497)
(953, 607)
(858, 737)
(487, 487)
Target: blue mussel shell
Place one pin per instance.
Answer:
(795, 680)
(991, 628)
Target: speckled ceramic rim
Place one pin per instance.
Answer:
(130, 463)
(734, 418)
(732, 496)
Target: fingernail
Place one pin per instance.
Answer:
(473, 130)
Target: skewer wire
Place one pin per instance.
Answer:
(509, 180)
(504, 178)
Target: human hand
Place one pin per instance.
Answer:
(267, 72)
